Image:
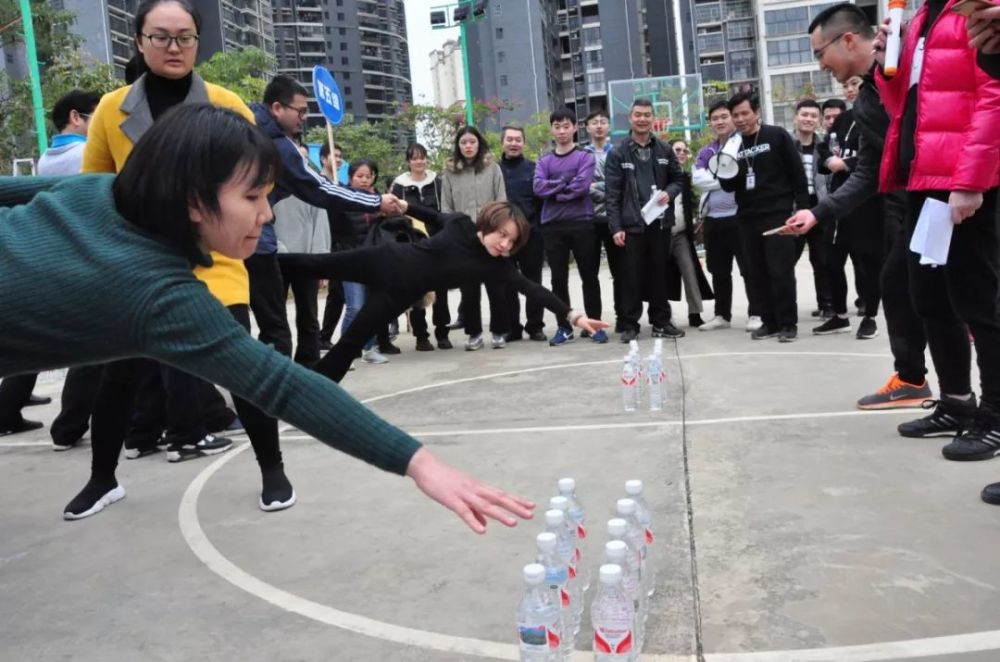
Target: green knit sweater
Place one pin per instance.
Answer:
(79, 284)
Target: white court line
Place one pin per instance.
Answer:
(195, 537)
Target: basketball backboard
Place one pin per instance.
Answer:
(678, 102)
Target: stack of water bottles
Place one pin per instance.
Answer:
(551, 608)
(644, 381)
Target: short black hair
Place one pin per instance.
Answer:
(562, 115)
(807, 103)
(149, 5)
(511, 127)
(282, 89)
(324, 150)
(740, 97)
(415, 150)
(600, 112)
(644, 102)
(834, 103)
(841, 18)
(478, 161)
(182, 162)
(720, 103)
(358, 164)
(79, 100)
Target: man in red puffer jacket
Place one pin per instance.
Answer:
(943, 144)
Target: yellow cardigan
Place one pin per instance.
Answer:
(108, 147)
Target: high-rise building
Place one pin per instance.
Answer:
(301, 41)
(447, 74)
(725, 43)
(514, 56)
(228, 25)
(107, 28)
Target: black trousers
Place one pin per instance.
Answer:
(561, 239)
(964, 292)
(267, 300)
(770, 272)
(643, 271)
(440, 317)
(471, 308)
(867, 265)
(14, 394)
(333, 310)
(602, 237)
(116, 398)
(529, 260)
(723, 245)
(818, 245)
(78, 395)
(305, 291)
(379, 306)
(907, 339)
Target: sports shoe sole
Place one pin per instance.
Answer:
(767, 337)
(902, 403)
(136, 453)
(970, 457)
(60, 448)
(190, 454)
(276, 505)
(929, 435)
(844, 329)
(868, 337)
(114, 496)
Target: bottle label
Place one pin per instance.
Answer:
(538, 638)
(572, 572)
(607, 640)
(564, 597)
(581, 531)
(629, 381)
(649, 536)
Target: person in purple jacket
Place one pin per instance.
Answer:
(562, 181)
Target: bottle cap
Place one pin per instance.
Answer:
(546, 541)
(567, 485)
(617, 527)
(559, 503)
(615, 551)
(633, 487)
(611, 574)
(534, 573)
(625, 506)
(633, 345)
(555, 518)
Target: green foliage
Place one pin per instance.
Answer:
(244, 72)
(370, 140)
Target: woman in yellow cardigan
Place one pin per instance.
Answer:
(167, 39)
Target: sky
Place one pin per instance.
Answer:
(422, 40)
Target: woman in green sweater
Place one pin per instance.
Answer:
(98, 268)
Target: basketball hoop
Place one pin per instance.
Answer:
(661, 124)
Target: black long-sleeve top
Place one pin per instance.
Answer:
(780, 184)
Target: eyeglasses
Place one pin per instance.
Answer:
(185, 41)
(598, 122)
(818, 53)
(303, 112)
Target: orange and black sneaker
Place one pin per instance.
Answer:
(897, 394)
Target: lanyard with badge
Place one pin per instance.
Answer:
(751, 177)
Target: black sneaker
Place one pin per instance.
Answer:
(949, 418)
(208, 445)
(389, 349)
(667, 331)
(136, 451)
(93, 498)
(833, 325)
(765, 332)
(19, 426)
(628, 335)
(991, 494)
(538, 336)
(37, 400)
(444, 343)
(277, 492)
(788, 334)
(695, 321)
(981, 441)
(514, 337)
(325, 345)
(424, 345)
(826, 313)
(867, 329)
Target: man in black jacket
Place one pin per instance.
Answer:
(518, 175)
(770, 184)
(641, 167)
(851, 56)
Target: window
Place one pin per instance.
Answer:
(342, 32)
(340, 16)
(346, 75)
(781, 22)
(503, 80)
(501, 56)
(742, 65)
(340, 3)
(343, 46)
(594, 59)
(710, 40)
(347, 89)
(499, 33)
(591, 36)
(345, 61)
(710, 13)
(784, 52)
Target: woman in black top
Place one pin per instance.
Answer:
(462, 254)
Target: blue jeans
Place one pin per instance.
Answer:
(354, 298)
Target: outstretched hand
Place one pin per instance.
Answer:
(587, 324)
(800, 223)
(468, 498)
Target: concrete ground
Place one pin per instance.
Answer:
(789, 525)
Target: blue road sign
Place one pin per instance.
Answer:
(328, 96)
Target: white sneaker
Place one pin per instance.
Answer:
(474, 343)
(373, 356)
(717, 322)
(754, 323)
(499, 342)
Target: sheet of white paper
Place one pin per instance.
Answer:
(652, 210)
(932, 236)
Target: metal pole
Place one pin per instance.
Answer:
(31, 52)
(465, 74)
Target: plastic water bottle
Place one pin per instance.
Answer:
(658, 346)
(555, 522)
(582, 576)
(618, 532)
(654, 381)
(834, 144)
(557, 579)
(630, 385)
(577, 514)
(539, 625)
(644, 515)
(616, 552)
(613, 618)
(635, 536)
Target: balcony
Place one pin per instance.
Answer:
(711, 43)
(707, 14)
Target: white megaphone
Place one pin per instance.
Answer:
(723, 164)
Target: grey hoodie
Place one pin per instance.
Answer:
(61, 161)
(465, 191)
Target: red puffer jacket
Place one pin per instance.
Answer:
(957, 142)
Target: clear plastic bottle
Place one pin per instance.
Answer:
(654, 381)
(555, 522)
(644, 515)
(617, 552)
(635, 536)
(582, 575)
(539, 624)
(630, 385)
(618, 531)
(577, 513)
(613, 617)
(557, 579)
(834, 144)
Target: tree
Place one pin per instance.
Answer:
(370, 140)
(244, 72)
